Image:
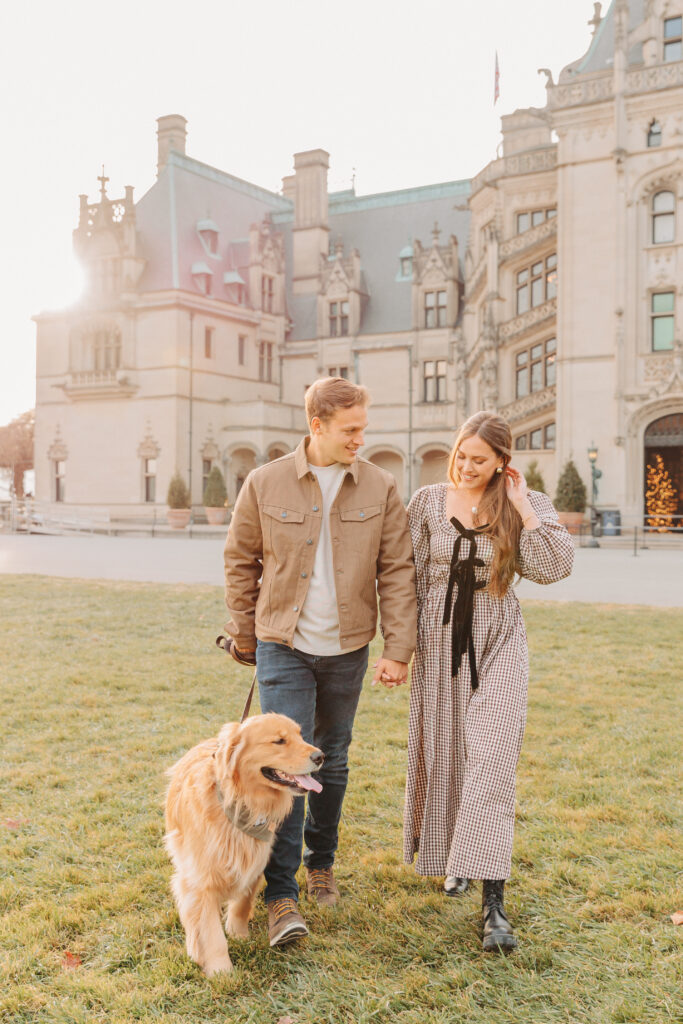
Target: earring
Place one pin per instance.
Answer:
(499, 470)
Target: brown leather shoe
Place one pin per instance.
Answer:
(285, 923)
(321, 886)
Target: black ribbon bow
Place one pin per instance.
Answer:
(461, 611)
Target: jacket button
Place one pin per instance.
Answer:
(296, 608)
(284, 515)
(315, 508)
(304, 575)
(343, 607)
(362, 515)
(340, 571)
(309, 541)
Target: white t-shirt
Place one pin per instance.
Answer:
(317, 631)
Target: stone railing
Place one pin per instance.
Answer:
(525, 321)
(661, 76)
(532, 161)
(584, 90)
(518, 243)
(537, 401)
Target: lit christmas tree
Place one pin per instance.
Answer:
(661, 500)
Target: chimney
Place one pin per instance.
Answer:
(311, 230)
(171, 135)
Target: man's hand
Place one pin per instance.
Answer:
(390, 673)
(243, 655)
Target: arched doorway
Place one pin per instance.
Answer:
(241, 463)
(663, 481)
(276, 452)
(392, 463)
(433, 467)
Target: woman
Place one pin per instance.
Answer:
(469, 682)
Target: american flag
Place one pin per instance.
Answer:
(496, 82)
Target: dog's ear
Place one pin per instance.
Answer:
(228, 743)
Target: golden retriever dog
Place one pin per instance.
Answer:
(225, 800)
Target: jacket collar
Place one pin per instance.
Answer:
(301, 461)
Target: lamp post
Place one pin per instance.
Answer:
(595, 476)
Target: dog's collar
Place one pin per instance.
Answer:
(259, 829)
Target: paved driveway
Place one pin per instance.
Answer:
(603, 575)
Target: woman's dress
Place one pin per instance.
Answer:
(466, 732)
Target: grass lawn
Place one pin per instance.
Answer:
(104, 685)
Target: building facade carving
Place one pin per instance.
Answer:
(546, 287)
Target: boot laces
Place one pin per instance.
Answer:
(320, 878)
(285, 905)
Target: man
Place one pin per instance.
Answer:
(313, 538)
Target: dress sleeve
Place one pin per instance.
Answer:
(419, 533)
(546, 554)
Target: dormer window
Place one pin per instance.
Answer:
(435, 308)
(267, 293)
(663, 217)
(405, 260)
(208, 232)
(654, 134)
(673, 39)
(202, 275)
(339, 319)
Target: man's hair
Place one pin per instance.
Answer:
(328, 394)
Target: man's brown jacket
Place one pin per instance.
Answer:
(271, 544)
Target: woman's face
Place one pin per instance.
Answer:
(475, 463)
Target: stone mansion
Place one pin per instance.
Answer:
(549, 288)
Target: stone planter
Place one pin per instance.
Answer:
(215, 516)
(572, 520)
(178, 518)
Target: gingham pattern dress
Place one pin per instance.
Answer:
(464, 743)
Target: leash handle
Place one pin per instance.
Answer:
(225, 645)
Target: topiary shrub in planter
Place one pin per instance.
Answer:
(178, 501)
(215, 498)
(534, 478)
(570, 497)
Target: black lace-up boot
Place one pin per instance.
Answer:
(498, 934)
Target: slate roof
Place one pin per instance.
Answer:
(380, 226)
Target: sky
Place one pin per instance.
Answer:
(399, 93)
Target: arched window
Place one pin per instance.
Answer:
(654, 134)
(663, 217)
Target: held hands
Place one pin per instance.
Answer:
(390, 673)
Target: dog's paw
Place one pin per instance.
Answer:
(222, 965)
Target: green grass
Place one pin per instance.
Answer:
(105, 684)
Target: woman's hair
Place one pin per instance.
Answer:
(496, 509)
(328, 394)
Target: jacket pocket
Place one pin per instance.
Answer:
(360, 533)
(283, 530)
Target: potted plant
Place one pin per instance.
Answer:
(178, 501)
(215, 498)
(534, 478)
(570, 497)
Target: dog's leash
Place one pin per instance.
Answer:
(227, 645)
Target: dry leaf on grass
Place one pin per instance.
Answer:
(285, 1020)
(14, 822)
(677, 918)
(71, 960)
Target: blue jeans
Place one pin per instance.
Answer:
(321, 694)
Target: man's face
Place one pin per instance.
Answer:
(339, 438)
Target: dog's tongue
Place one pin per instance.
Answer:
(308, 782)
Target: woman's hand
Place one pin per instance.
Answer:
(515, 486)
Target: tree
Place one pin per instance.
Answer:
(16, 449)
(534, 478)
(178, 495)
(571, 490)
(661, 500)
(215, 492)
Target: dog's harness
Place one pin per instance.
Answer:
(259, 829)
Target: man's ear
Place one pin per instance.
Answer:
(315, 424)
